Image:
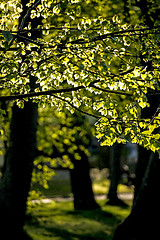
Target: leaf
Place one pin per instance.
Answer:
(147, 132)
(119, 128)
(142, 104)
(7, 35)
(141, 124)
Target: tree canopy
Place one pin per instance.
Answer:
(103, 67)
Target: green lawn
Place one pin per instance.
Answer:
(59, 221)
(63, 188)
(102, 187)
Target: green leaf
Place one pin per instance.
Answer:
(119, 128)
(7, 35)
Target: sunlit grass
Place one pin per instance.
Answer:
(102, 187)
(55, 188)
(63, 188)
(59, 221)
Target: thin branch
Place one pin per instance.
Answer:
(136, 34)
(63, 28)
(94, 39)
(74, 28)
(113, 34)
(111, 91)
(24, 19)
(29, 40)
(63, 90)
(79, 110)
(27, 15)
(154, 116)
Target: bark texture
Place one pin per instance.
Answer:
(18, 171)
(143, 222)
(114, 174)
(82, 185)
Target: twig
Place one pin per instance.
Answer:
(82, 40)
(24, 19)
(27, 15)
(111, 91)
(79, 110)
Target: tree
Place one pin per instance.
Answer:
(142, 223)
(63, 140)
(75, 61)
(82, 185)
(82, 63)
(16, 179)
(115, 156)
(80, 176)
(18, 167)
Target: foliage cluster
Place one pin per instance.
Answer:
(102, 67)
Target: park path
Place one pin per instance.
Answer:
(122, 196)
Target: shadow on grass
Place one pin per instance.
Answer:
(64, 234)
(60, 222)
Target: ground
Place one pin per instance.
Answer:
(58, 221)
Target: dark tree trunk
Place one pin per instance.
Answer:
(143, 159)
(3, 106)
(115, 155)
(143, 222)
(18, 171)
(82, 185)
(19, 161)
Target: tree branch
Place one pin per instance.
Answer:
(79, 110)
(54, 91)
(111, 91)
(24, 19)
(113, 34)
(82, 40)
(41, 93)
(27, 15)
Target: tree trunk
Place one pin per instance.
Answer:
(20, 156)
(143, 221)
(82, 185)
(115, 155)
(143, 159)
(18, 172)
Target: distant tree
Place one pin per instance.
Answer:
(115, 156)
(80, 174)
(64, 138)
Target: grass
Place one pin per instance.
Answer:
(55, 188)
(59, 221)
(63, 188)
(102, 187)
